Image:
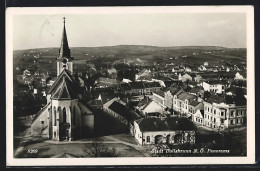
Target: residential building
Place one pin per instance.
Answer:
(153, 130)
(221, 112)
(216, 86)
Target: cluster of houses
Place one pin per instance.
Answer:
(151, 103)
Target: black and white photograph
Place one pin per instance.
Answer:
(130, 85)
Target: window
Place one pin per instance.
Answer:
(231, 122)
(54, 135)
(232, 113)
(74, 115)
(148, 139)
(214, 120)
(222, 113)
(42, 122)
(64, 115)
(222, 121)
(214, 111)
(54, 116)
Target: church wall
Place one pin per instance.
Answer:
(87, 120)
(40, 126)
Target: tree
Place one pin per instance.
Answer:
(98, 149)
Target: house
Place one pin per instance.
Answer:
(206, 64)
(65, 116)
(194, 106)
(158, 97)
(151, 107)
(151, 87)
(182, 101)
(238, 76)
(117, 108)
(199, 117)
(221, 112)
(138, 88)
(186, 77)
(173, 91)
(187, 69)
(112, 73)
(152, 130)
(125, 88)
(26, 72)
(197, 91)
(216, 86)
(202, 68)
(145, 74)
(103, 82)
(125, 80)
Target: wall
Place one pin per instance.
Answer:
(40, 126)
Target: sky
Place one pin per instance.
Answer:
(158, 29)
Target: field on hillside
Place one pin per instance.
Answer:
(45, 58)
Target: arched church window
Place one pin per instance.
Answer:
(59, 113)
(74, 115)
(64, 115)
(54, 116)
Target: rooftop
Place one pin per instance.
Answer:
(164, 124)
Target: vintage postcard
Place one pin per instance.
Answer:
(130, 85)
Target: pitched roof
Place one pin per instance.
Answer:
(184, 95)
(65, 73)
(119, 108)
(176, 90)
(196, 89)
(137, 85)
(164, 124)
(194, 103)
(160, 93)
(64, 91)
(151, 84)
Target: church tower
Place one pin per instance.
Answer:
(64, 61)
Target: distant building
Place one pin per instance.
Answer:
(198, 78)
(151, 87)
(216, 86)
(238, 77)
(143, 75)
(26, 72)
(103, 82)
(186, 77)
(112, 73)
(152, 130)
(202, 68)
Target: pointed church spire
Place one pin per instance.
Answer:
(64, 47)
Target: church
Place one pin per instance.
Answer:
(65, 116)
